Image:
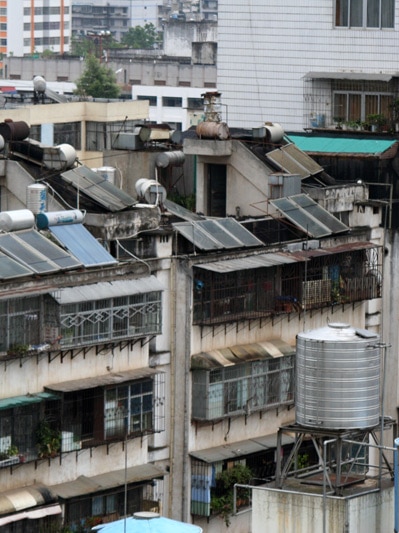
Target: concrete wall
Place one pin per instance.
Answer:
(132, 70)
(178, 37)
(287, 512)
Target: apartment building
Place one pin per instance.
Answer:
(33, 27)
(295, 61)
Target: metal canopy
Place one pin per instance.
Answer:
(249, 262)
(361, 76)
(240, 448)
(241, 354)
(210, 234)
(81, 243)
(98, 188)
(117, 478)
(19, 401)
(36, 252)
(107, 289)
(309, 216)
(110, 379)
(291, 159)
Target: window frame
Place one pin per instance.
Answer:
(345, 12)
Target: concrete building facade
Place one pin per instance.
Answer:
(295, 61)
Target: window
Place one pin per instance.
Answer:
(151, 99)
(99, 135)
(19, 323)
(242, 388)
(19, 425)
(128, 409)
(195, 103)
(93, 416)
(244, 293)
(110, 319)
(329, 279)
(172, 101)
(110, 504)
(364, 13)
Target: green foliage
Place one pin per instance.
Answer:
(223, 503)
(186, 201)
(48, 440)
(83, 47)
(140, 37)
(97, 80)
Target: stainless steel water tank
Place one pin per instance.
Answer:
(338, 378)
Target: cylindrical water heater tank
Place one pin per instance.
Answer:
(274, 132)
(39, 84)
(338, 378)
(14, 131)
(16, 220)
(151, 190)
(170, 159)
(213, 130)
(36, 198)
(58, 218)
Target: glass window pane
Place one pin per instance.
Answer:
(356, 13)
(387, 13)
(373, 13)
(341, 13)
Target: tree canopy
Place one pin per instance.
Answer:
(140, 37)
(97, 80)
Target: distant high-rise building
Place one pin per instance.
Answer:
(33, 26)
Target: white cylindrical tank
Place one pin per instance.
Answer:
(58, 218)
(36, 198)
(274, 132)
(172, 159)
(108, 173)
(39, 84)
(338, 378)
(16, 220)
(151, 191)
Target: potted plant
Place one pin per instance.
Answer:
(376, 120)
(9, 456)
(48, 440)
(222, 502)
(395, 113)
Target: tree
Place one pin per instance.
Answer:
(97, 80)
(140, 37)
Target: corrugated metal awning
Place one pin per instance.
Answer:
(241, 448)
(33, 514)
(342, 248)
(241, 354)
(109, 289)
(110, 379)
(90, 485)
(361, 76)
(25, 498)
(19, 401)
(248, 262)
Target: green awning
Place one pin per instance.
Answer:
(19, 401)
(326, 144)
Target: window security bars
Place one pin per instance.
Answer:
(243, 388)
(327, 280)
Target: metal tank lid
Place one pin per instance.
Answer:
(334, 331)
